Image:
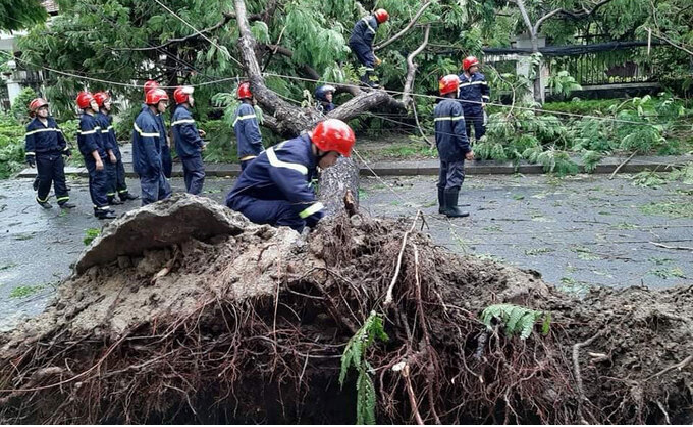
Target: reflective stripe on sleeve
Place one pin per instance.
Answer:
(41, 130)
(310, 210)
(184, 121)
(141, 132)
(252, 116)
(442, 119)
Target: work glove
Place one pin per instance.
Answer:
(67, 152)
(30, 159)
(378, 61)
(313, 220)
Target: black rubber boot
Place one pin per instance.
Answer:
(441, 200)
(45, 205)
(104, 214)
(127, 196)
(113, 201)
(67, 205)
(451, 209)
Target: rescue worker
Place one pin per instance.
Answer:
(246, 127)
(115, 173)
(275, 188)
(188, 140)
(90, 144)
(474, 94)
(361, 42)
(324, 94)
(148, 140)
(166, 159)
(44, 147)
(453, 146)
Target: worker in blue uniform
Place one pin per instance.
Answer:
(92, 147)
(324, 94)
(188, 140)
(276, 187)
(148, 138)
(166, 160)
(246, 127)
(44, 147)
(361, 43)
(115, 170)
(453, 146)
(474, 94)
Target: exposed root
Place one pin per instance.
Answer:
(250, 327)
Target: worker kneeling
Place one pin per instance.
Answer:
(276, 187)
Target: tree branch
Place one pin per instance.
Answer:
(411, 66)
(584, 13)
(291, 119)
(659, 35)
(226, 17)
(406, 29)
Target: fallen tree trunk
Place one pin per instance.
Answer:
(247, 324)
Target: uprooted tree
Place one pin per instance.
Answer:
(285, 118)
(184, 312)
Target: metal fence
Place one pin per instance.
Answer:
(608, 67)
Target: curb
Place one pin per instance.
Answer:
(430, 167)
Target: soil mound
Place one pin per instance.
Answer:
(205, 317)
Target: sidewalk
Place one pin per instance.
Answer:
(607, 165)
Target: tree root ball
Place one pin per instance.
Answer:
(240, 323)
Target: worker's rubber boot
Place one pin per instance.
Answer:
(451, 209)
(441, 200)
(67, 205)
(104, 214)
(113, 201)
(127, 196)
(45, 204)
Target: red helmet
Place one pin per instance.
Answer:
(36, 104)
(84, 99)
(101, 97)
(150, 86)
(243, 91)
(469, 62)
(182, 94)
(381, 15)
(153, 97)
(334, 135)
(449, 84)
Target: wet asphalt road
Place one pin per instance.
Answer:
(576, 232)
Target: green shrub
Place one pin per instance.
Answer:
(11, 146)
(20, 107)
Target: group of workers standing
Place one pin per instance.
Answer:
(275, 183)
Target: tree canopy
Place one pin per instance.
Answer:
(21, 14)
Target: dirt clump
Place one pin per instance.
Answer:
(244, 323)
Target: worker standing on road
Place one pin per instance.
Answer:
(44, 147)
(166, 159)
(453, 147)
(91, 145)
(246, 127)
(188, 140)
(361, 43)
(115, 171)
(148, 140)
(275, 188)
(474, 94)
